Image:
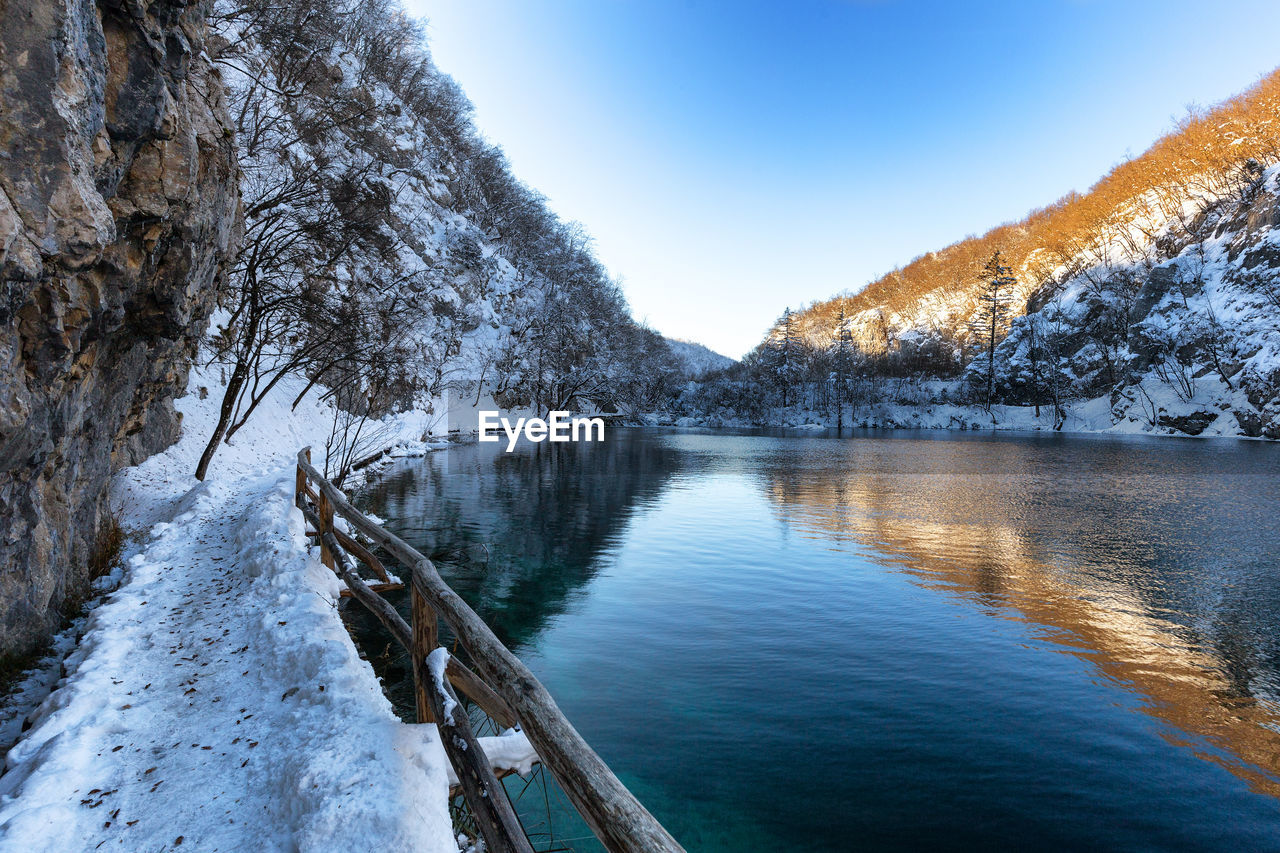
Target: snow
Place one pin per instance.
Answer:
(436, 663)
(1165, 324)
(1097, 415)
(697, 359)
(510, 750)
(29, 691)
(216, 698)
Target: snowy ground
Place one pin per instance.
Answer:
(215, 701)
(1134, 415)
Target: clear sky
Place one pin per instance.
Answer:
(734, 158)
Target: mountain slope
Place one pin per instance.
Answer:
(697, 360)
(1155, 197)
(390, 254)
(1152, 302)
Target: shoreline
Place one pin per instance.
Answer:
(1085, 419)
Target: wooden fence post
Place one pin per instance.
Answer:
(325, 515)
(491, 808)
(487, 797)
(425, 639)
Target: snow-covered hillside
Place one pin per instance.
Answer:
(1149, 303)
(697, 360)
(389, 252)
(1184, 337)
(1178, 334)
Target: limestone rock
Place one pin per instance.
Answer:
(118, 209)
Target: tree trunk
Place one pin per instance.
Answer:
(224, 417)
(991, 358)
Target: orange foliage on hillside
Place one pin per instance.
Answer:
(1200, 160)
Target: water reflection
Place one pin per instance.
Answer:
(1159, 573)
(897, 641)
(545, 516)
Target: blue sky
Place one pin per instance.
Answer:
(734, 158)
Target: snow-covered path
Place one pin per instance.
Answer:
(216, 702)
(193, 715)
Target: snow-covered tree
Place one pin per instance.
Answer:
(991, 319)
(842, 366)
(783, 356)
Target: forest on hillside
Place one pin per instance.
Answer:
(390, 254)
(1159, 288)
(388, 251)
(1210, 155)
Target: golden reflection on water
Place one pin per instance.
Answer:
(969, 535)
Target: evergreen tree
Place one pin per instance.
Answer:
(783, 355)
(992, 316)
(843, 366)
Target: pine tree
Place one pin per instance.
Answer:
(843, 365)
(784, 354)
(992, 317)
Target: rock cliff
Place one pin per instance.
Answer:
(118, 209)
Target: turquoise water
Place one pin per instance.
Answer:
(893, 641)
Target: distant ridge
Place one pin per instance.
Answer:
(697, 359)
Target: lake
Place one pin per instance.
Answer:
(885, 640)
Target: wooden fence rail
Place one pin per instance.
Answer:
(501, 685)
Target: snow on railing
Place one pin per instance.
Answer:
(501, 685)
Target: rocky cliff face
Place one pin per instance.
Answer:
(118, 206)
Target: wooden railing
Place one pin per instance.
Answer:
(500, 685)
